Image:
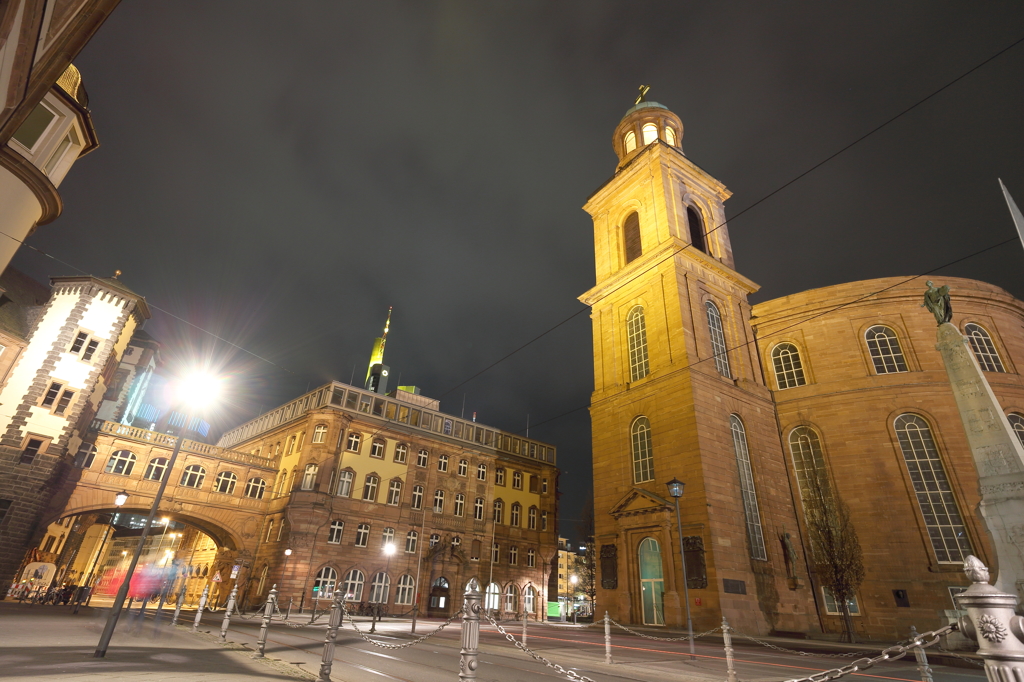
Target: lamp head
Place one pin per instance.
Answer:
(389, 548)
(573, 579)
(288, 552)
(675, 487)
(198, 390)
(121, 498)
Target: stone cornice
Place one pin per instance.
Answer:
(49, 199)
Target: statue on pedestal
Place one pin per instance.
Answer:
(936, 300)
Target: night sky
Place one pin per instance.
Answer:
(279, 173)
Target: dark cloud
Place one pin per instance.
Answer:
(281, 173)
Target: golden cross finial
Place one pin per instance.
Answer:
(643, 93)
(117, 273)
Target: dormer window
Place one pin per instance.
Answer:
(650, 132)
(670, 136)
(630, 141)
(35, 125)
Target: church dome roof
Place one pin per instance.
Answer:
(644, 124)
(643, 105)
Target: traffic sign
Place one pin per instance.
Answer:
(216, 577)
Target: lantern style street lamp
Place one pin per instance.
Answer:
(121, 498)
(389, 549)
(675, 489)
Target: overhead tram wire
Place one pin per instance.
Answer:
(1014, 239)
(778, 189)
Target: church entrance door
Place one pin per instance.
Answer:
(652, 583)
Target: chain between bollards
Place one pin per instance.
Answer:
(469, 655)
(202, 605)
(268, 613)
(727, 638)
(227, 614)
(607, 639)
(337, 612)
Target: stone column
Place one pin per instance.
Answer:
(998, 457)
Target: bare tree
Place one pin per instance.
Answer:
(834, 545)
(586, 563)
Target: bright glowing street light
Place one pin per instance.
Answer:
(287, 552)
(389, 549)
(198, 390)
(121, 498)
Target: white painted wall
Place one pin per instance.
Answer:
(19, 211)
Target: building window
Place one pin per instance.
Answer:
(255, 487)
(534, 485)
(832, 606)
(1017, 422)
(499, 511)
(353, 441)
(544, 486)
(499, 476)
(62, 403)
(696, 225)
(50, 397)
(434, 539)
(121, 462)
(513, 556)
(643, 455)
(478, 509)
(495, 552)
(789, 371)
(517, 480)
(401, 452)
(636, 335)
(885, 350)
(309, 476)
(531, 518)
(481, 472)
(650, 133)
(442, 463)
(808, 461)
(417, 497)
(345, 484)
(750, 509)
(84, 347)
(86, 455)
(934, 495)
(225, 483)
(387, 537)
(630, 141)
(193, 476)
(984, 349)
(404, 593)
(34, 445)
(515, 514)
(362, 534)
(394, 493)
(631, 237)
(156, 469)
(370, 488)
(410, 541)
(354, 585)
(531, 558)
(670, 136)
(463, 467)
(377, 449)
(337, 530)
(543, 520)
(291, 446)
(379, 588)
(319, 433)
(421, 458)
(718, 340)
(438, 501)
(460, 504)
(270, 529)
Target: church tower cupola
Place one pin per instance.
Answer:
(645, 123)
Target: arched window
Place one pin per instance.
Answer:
(636, 337)
(401, 453)
(718, 340)
(362, 534)
(481, 472)
(377, 449)
(387, 537)
(643, 455)
(282, 481)
(984, 350)
(631, 237)
(417, 497)
(404, 593)
(885, 350)
(696, 225)
(394, 492)
(808, 462)
(121, 462)
(370, 488)
(492, 597)
(531, 518)
(515, 514)
(438, 501)
(650, 133)
(263, 579)
(379, 588)
(156, 469)
(789, 371)
(934, 495)
(630, 141)
(320, 433)
(353, 441)
(345, 484)
(753, 514)
(255, 487)
(309, 477)
(670, 136)
(463, 467)
(225, 483)
(652, 582)
(193, 476)
(354, 585)
(410, 541)
(511, 598)
(499, 511)
(529, 598)
(1017, 422)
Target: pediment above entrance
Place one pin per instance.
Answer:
(638, 501)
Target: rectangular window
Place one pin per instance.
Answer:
(417, 497)
(460, 504)
(351, 400)
(513, 556)
(531, 518)
(345, 484)
(394, 493)
(517, 480)
(32, 448)
(90, 349)
(531, 558)
(832, 606)
(414, 418)
(270, 529)
(447, 427)
(377, 449)
(5, 505)
(439, 502)
(362, 534)
(543, 520)
(353, 441)
(337, 529)
(65, 400)
(51, 394)
(370, 489)
(421, 458)
(499, 476)
(543, 486)
(495, 550)
(481, 472)
(79, 343)
(478, 509)
(534, 487)
(442, 463)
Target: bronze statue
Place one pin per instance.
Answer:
(790, 557)
(936, 300)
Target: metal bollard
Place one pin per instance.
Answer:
(165, 588)
(177, 606)
(992, 623)
(268, 613)
(922, 659)
(727, 636)
(470, 654)
(289, 614)
(227, 614)
(332, 634)
(525, 617)
(202, 605)
(607, 639)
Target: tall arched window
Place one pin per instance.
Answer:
(753, 514)
(631, 237)
(670, 136)
(643, 455)
(309, 476)
(789, 371)
(511, 598)
(529, 598)
(718, 346)
(650, 133)
(1017, 422)
(156, 469)
(193, 476)
(325, 581)
(492, 597)
(379, 588)
(934, 495)
(652, 582)
(630, 141)
(354, 585)
(404, 593)
(255, 487)
(225, 483)
(885, 350)
(808, 461)
(696, 225)
(636, 337)
(121, 462)
(984, 350)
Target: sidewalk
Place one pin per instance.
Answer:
(48, 641)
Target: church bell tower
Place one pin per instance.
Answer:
(679, 394)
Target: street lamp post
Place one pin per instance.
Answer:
(573, 579)
(119, 499)
(675, 489)
(389, 549)
(195, 391)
